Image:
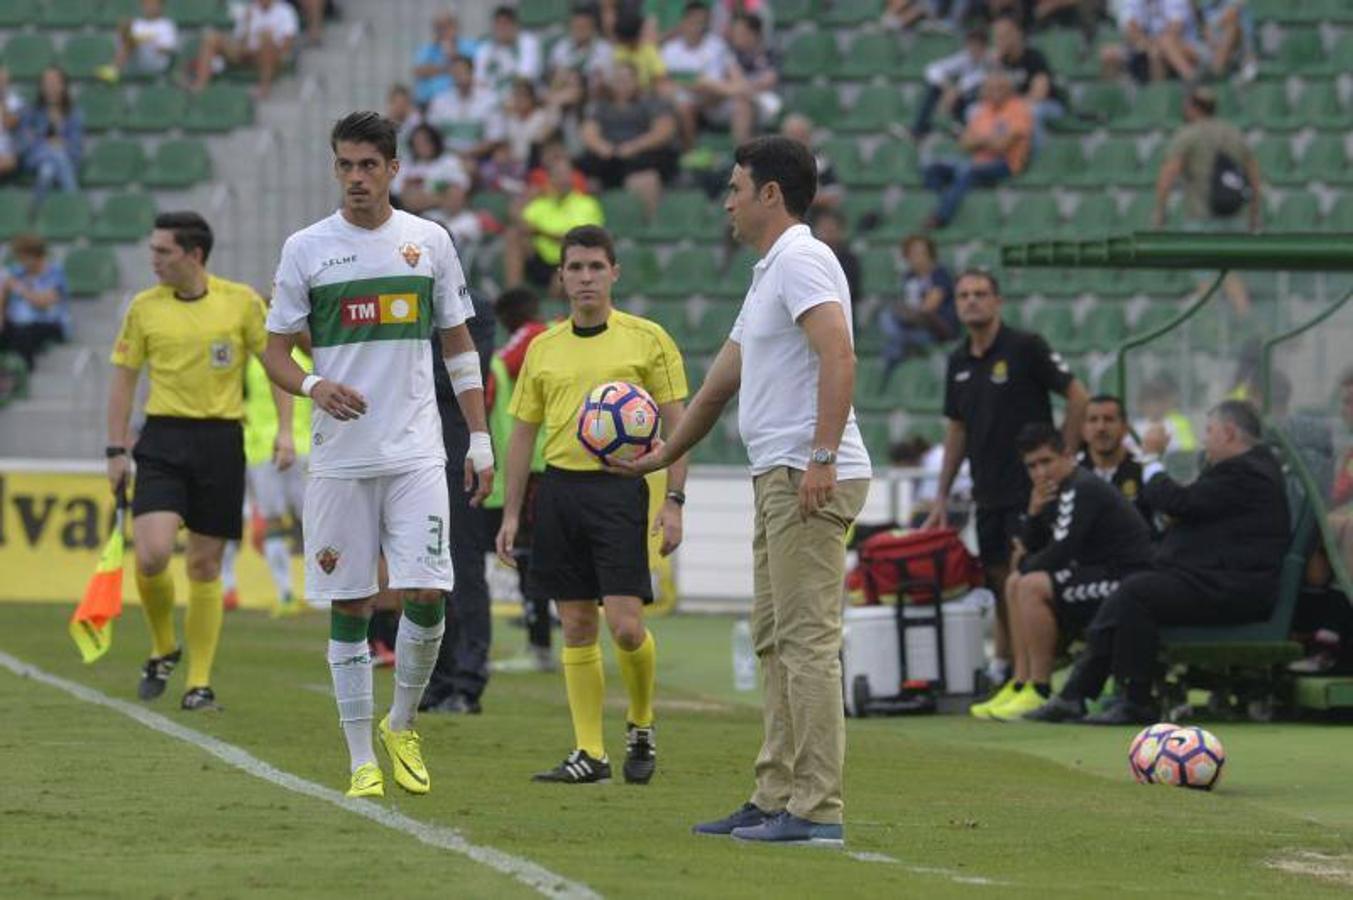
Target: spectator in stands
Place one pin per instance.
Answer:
(1159, 40)
(51, 135)
(509, 53)
(903, 14)
(1158, 401)
(523, 126)
(725, 13)
(584, 49)
(263, 39)
(1205, 151)
(695, 59)
(1032, 75)
(1079, 539)
(538, 179)
(997, 381)
(632, 49)
(798, 127)
(463, 114)
(1081, 14)
(531, 249)
(35, 300)
(952, 83)
(399, 109)
(1106, 453)
(1217, 564)
(1228, 33)
(432, 63)
(312, 12)
(829, 227)
(434, 184)
(997, 139)
(748, 92)
(630, 140)
(924, 314)
(146, 45)
(11, 109)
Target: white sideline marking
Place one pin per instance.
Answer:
(957, 877)
(536, 877)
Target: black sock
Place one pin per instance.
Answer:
(1044, 689)
(1017, 685)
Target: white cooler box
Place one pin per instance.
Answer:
(869, 646)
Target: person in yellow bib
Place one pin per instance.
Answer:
(193, 332)
(590, 541)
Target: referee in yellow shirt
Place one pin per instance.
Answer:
(590, 538)
(193, 332)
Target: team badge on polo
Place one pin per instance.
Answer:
(411, 253)
(327, 559)
(1129, 489)
(221, 354)
(1000, 372)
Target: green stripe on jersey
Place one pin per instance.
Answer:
(395, 308)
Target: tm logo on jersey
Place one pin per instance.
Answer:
(382, 309)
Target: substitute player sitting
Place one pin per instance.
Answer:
(370, 284)
(193, 332)
(590, 539)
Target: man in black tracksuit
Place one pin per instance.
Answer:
(1218, 563)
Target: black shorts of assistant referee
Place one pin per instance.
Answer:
(590, 538)
(1077, 594)
(997, 526)
(193, 467)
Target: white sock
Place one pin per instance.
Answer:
(350, 665)
(232, 550)
(277, 554)
(416, 650)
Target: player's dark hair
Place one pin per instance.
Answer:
(515, 307)
(587, 236)
(975, 272)
(191, 231)
(1115, 400)
(366, 127)
(1243, 416)
(785, 162)
(1037, 435)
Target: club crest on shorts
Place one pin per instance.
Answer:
(411, 253)
(328, 559)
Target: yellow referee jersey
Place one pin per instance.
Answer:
(195, 350)
(562, 366)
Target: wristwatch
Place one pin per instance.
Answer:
(112, 451)
(677, 497)
(823, 457)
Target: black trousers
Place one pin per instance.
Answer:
(463, 664)
(30, 340)
(1123, 639)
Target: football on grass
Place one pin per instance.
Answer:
(617, 421)
(1183, 756)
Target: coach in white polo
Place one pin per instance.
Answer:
(791, 362)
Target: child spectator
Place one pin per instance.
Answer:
(35, 299)
(52, 136)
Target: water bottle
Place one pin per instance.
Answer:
(744, 657)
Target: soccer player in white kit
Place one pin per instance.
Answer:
(370, 284)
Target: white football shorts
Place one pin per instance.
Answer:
(278, 493)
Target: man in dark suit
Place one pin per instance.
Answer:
(1217, 564)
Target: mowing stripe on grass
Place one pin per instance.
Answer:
(536, 877)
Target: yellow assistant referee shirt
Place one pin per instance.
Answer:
(195, 350)
(562, 366)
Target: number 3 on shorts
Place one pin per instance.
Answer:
(437, 529)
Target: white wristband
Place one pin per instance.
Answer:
(308, 384)
(464, 371)
(480, 453)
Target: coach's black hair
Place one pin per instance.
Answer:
(1115, 400)
(587, 236)
(366, 127)
(975, 272)
(191, 231)
(785, 162)
(1036, 436)
(1243, 416)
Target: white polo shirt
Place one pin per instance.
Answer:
(777, 403)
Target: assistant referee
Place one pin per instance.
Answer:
(192, 331)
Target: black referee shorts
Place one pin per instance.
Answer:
(997, 526)
(590, 538)
(193, 467)
(1077, 594)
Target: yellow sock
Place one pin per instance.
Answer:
(585, 682)
(639, 669)
(157, 601)
(203, 629)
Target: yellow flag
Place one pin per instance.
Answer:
(91, 625)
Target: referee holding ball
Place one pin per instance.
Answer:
(192, 332)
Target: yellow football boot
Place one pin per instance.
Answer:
(983, 710)
(1025, 700)
(406, 755)
(367, 781)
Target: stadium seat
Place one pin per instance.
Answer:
(875, 109)
(879, 272)
(917, 387)
(113, 12)
(495, 203)
(1057, 323)
(1057, 157)
(1274, 155)
(978, 218)
(1113, 162)
(26, 55)
(1095, 215)
(17, 13)
(198, 13)
(864, 210)
(157, 107)
(639, 270)
(102, 106)
(91, 271)
(220, 107)
(684, 215)
(871, 55)
(736, 275)
(1340, 217)
(1104, 328)
(715, 324)
(1033, 217)
(1067, 57)
(1105, 100)
(907, 217)
(1153, 316)
(1155, 106)
(113, 162)
(673, 316)
(1320, 106)
(124, 218)
(1139, 211)
(68, 14)
(179, 163)
(810, 55)
(14, 206)
(893, 163)
(624, 214)
(848, 13)
(689, 270)
(847, 157)
(542, 13)
(818, 102)
(876, 434)
(925, 48)
(64, 217)
(1301, 51)
(1266, 105)
(1299, 211)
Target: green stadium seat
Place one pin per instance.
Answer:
(1154, 316)
(893, 162)
(1105, 327)
(14, 205)
(179, 163)
(113, 12)
(673, 316)
(1034, 216)
(69, 14)
(736, 275)
(847, 157)
(639, 269)
(1155, 106)
(848, 13)
(1057, 157)
(1067, 56)
(925, 49)
(542, 13)
(83, 54)
(198, 13)
(791, 12)
(103, 106)
(689, 270)
(1299, 211)
(64, 217)
(1139, 211)
(1104, 100)
(879, 273)
(624, 214)
(810, 55)
(1301, 51)
(684, 215)
(868, 377)
(876, 434)
(1340, 217)
(113, 162)
(874, 110)
(1115, 161)
(871, 55)
(715, 324)
(157, 107)
(1095, 215)
(978, 218)
(220, 107)
(26, 55)
(1320, 106)
(495, 203)
(91, 271)
(17, 13)
(907, 217)
(1265, 104)
(918, 387)
(1057, 323)
(1149, 170)
(818, 102)
(124, 218)
(862, 208)
(1274, 155)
